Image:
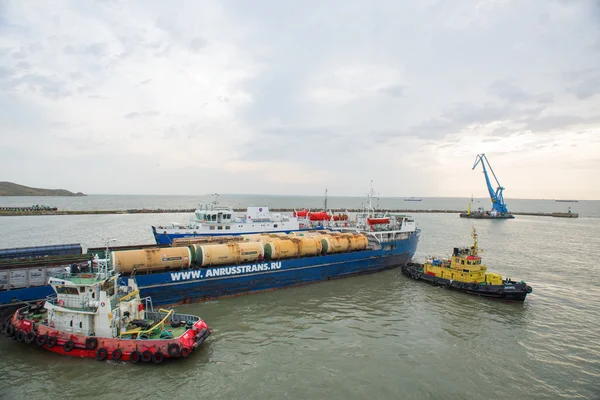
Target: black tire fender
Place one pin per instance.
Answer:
(91, 343)
(68, 346)
(135, 357)
(51, 342)
(146, 356)
(101, 354)
(185, 352)
(30, 337)
(158, 357)
(173, 350)
(41, 340)
(116, 354)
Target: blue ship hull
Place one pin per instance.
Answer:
(210, 283)
(186, 286)
(33, 293)
(167, 238)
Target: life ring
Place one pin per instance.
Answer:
(91, 343)
(101, 354)
(135, 357)
(173, 350)
(61, 303)
(51, 342)
(146, 356)
(41, 340)
(30, 337)
(116, 354)
(68, 346)
(158, 357)
(185, 352)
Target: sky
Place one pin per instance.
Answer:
(282, 97)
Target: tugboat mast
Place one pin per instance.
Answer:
(474, 249)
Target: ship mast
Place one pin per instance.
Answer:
(474, 249)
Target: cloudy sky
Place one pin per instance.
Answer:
(282, 97)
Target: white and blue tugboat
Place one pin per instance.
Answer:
(215, 220)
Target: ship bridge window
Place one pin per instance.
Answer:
(220, 227)
(462, 262)
(228, 227)
(67, 290)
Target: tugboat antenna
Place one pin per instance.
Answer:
(474, 249)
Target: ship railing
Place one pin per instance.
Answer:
(81, 305)
(161, 314)
(148, 306)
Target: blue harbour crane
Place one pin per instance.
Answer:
(496, 195)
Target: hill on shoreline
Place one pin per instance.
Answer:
(12, 189)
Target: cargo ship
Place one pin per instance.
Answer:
(94, 315)
(201, 268)
(465, 272)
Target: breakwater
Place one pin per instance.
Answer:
(22, 211)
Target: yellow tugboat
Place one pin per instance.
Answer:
(465, 272)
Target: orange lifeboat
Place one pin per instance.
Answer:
(319, 216)
(378, 221)
(301, 213)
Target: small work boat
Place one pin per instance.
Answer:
(465, 272)
(94, 315)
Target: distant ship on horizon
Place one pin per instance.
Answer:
(567, 201)
(413, 199)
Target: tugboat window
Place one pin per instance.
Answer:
(67, 290)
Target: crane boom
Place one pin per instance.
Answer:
(496, 195)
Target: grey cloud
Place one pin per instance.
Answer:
(587, 88)
(23, 65)
(19, 54)
(48, 85)
(586, 81)
(5, 72)
(197, 43)
(93, 49)
(394, 90)
(581, 72)
(508, 91)
(133, 115)
(501, 132)
(145, 82)
(316, 144)
(559, 122)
